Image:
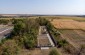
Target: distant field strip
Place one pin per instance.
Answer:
(68, 24)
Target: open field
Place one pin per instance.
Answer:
(65, 17)
(71, 17)
(71, 30)
(20, 17)
(35, 51)
(68, 24)
(51, 17)
(75, 37)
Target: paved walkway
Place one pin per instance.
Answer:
(5, 31)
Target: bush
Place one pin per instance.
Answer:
(62, 43)
(69, 49)
(29, 42)
(42, 21)
(9, 48)
(4, 21)
(53, 52)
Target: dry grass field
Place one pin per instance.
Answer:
(35, 51)
(71, 30)
(68, 24)
(74, 37)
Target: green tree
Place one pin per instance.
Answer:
(26, 31)
(19, 28)
(29, 41)
(10, 48)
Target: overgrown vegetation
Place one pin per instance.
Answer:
(24, 35)
(53, 52)
(4, 21)
(9, 47)
(25, 32)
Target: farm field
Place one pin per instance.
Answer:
(74, 37)
(71, 30)
(68, 24)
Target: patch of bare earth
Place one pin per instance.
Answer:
(36, 51)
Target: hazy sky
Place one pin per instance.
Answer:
(42, 6)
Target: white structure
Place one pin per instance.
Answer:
(43, 33)
(50, 40)
(42, 48)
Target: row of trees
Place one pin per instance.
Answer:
(25, 32)
(4, 21)
(24, 35)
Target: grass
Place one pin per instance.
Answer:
(73, 37)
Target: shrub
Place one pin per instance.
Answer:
(9, 48)
(4, 21)
(53, 52)
(69, 49)
(62, 43)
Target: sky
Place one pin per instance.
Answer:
(58, 7)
